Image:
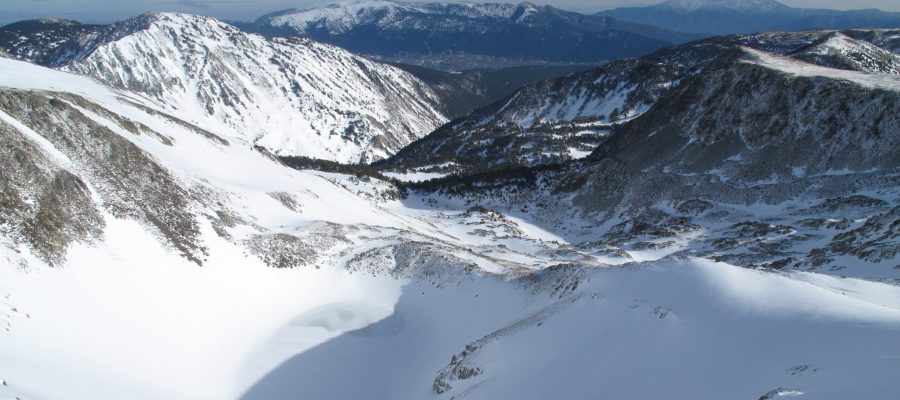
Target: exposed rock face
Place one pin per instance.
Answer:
(411, 259)
(129, 182)
(42, 204)
(303, 248)
(875, 241)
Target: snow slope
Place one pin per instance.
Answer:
(128, 319)
(291, 96)
(157, 279)
(691, 329)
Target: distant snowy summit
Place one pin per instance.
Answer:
(522, 33)
(340, 17)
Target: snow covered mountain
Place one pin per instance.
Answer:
(819, 143)
(132, 237)
(847, 125)
(542, 123)
(746, 16)
(458, 35)
(837, 50)
(291, 96)
(566, 118)
(116, 192)
(760, 160)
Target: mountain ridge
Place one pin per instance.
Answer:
(399, 31)
(331, 104)
(715, 17)
(565, 118)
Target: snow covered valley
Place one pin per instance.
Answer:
(127, 319)
(144, 257)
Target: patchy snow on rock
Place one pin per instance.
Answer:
(800, 68)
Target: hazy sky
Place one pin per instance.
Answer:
(110, 10)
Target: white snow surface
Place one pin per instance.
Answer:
(292, 96)
(129, 318)
(671, 330)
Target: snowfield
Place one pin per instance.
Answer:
(682, 329)
(238, 329)
(382, 296)
(128, 319)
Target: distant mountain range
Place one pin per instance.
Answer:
(458, 36)
(747, 16)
